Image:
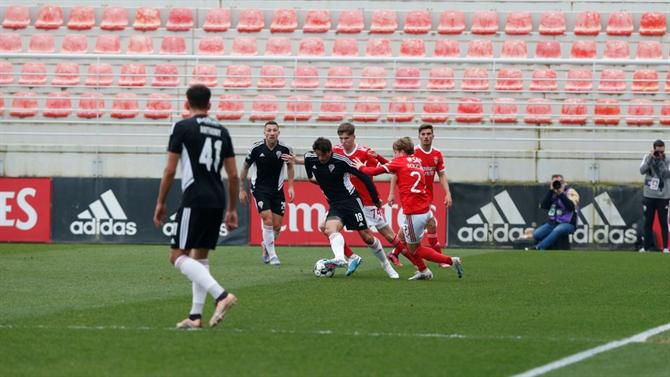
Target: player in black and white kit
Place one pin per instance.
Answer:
(267, 185)
(332, 171)
(203, 146)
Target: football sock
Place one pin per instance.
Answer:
(414, 259)
(378, 251)
(337, 244)
(434, 242)
(347, 251)
(276, 233)
(398, 246)
(199, 293)
(429, 254)
(197, 273)
(269, 240)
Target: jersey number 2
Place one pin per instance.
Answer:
(415, 186)
(206, 154)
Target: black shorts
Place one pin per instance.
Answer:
(197, 228)
(350, 212)
(274, 202)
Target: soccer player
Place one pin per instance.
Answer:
(332, 171)
(267, 185)
(433, 163)
(415, 203)
(203, 146)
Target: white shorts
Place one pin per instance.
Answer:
(374, 217)
(414, 226)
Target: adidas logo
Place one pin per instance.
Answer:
(169, 229)
(494, 222)
(104, 217)
(261, 155)
(601, 222)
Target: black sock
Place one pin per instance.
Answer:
(222, 296)
(194, 317)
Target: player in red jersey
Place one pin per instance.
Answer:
(415, 203)
(433, 163)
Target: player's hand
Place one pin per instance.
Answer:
(291, 194)
(373, 154)
(378, 204)
(358, 163)
(447, 200)
(289, 158)
(231, 220)
(159, 215)
(390, 200)
(243, 196)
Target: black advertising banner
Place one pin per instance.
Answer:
(120, 210)
(486, 215)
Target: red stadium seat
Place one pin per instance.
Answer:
(548, 49)
(451, 22)
(147, 19)
(339, 77)
(640, 112)
(583, 50)
(278, 46)
(158, 106)
(504, 110)
(383, 22)
(378, 47)
(373, 77)
(612, 81)
(552, 23)
(413, 48)
(367, 109)
(264, 107)
(538, 111)
(345, 47)
(16, 17)
(350, 22)
(587, 23)
(333, 108)
(165, 75)
(6, 73)
(509, 79)
(667, 83)
(81, 18)
(251, 21)
(272, 76)
(204, 74)
(237, 76)
(475, 79)
(284, 21)
(231, 107)
(24, 105)
(645, 81)
(99, 75)
(317, 21)
(616, 49)
(211, 45)
(448, 48)
(607, 112)
(480, 48)
(312, 47)
(2, 106)
(173, 45)
(108, 44)
(544, 80)
(441, 78)
(407, 78)
(665, 113)
(401, 109)
(518, 23)
(140, 44)
(306, 77)
(653, 24)
(91, 105)
(114, 18)
(133, 74)
(469, 110)
(435, 110)
(579, 80)
(67, 74)
(124, 106)
(620, 23)
(33, 74)
(298, 108)
(74, 44)
(217, 20)
(59, 105)
(418, 22)
(514, 48)
(49, 17)
(484, 22)
(649, 50)
(573, 111)
(42, 43)
(180, 19)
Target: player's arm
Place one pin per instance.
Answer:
(367, 181)
(382, 160)
(445, 185)
(369, 170)
(392, 184)
(290, 170)
(233, 192)
(243, 181)
(166, 182)
(308, 169)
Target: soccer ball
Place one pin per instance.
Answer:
(323, 270)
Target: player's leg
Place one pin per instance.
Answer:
(378, 251)
(332, 230)
(269, 236)
(431, 236)
(348, 253)
(395, 241)
(413, 228)
(194, 319)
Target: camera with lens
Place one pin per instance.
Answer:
(658, 153)
(556, 184)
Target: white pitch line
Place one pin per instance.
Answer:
(572, 359)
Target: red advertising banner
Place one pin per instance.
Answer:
(309, 209)
(25, 209)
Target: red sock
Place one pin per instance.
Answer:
(434, 242)
(398, 246)
(432, 255)
(347, 251)
(415, 259)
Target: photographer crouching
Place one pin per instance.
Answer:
(656, 194)
(561, 203)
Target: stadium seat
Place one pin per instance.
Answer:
(587, 23)
(480, 48)
(16, 17)
(378, 47)
(518, 23)
(272, 76)
(264, 107)
(475, 79)
(158, 106)
(217, 20)
(544, 80)
(43, 43)
(284, 21)
(173, 45)
(407, 78)
(579, 80)
(640, 112)
(317, 21)
(441, 78)
(401, 109)
(108, 44)
(418, 22)
(509, 79)
(447, 48)
(114, 18)
(649, 50)
(665, 113)
(435, 110)
(373, 77)
(2, 106)
(24, 105)
(33, 74)
(306, 77)
(339, 77)
(237, 76)
(74, 44)
(311, 47)
(667, 83)
(538, 111)
(653, 24)
(552, 23)
(573, 111)
(250, 21)
(133, 74)
(140, 44)
(413, 48)
(469, 110)
(231, 107)
(81, 18)
(66, 74)
(58, 105)
(514, 48)
(504, 110)
(612, 80)
(147, 19)
(383, 22)
(6, 73)
(607, 112)
(211, 45)
(583, 50)
(548, 49)
(180, 19)
(645, 81)
(345, 47)
(350, 22)
(484, 22)
(204, 74)
(49, 17)
(278, 46)
(367, 109)
(124, 106)
(333, 108)
(91, 105)
(620, 23)
(165, 75)
(616, 49)
(99, 75)
(451, 22)
(298, 108)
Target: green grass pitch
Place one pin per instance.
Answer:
(109, 310)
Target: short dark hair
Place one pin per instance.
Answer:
(322, 145)
(659, 143)
(347, 128)
(553, 176)
(426, 126)
(198, 96)
(271, 123)
(404, 144)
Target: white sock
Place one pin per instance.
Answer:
(337, 244)
(269, 240)
(378, 251)
(199, 293)
(199, 274)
